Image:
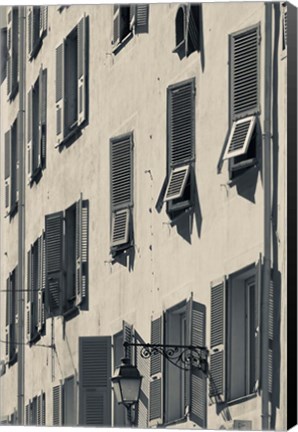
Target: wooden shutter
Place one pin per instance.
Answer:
(181, 111)
(81, 251)
(38, 410)
(30, 135)
(54, 263)
(9, 50)
(42, 118)
(245, 72)
(198, 379)
(177, 182)
(12, 72)
(8, 329)
(29, 296)
(82, 47)
(7, 170)
(95, 381)
(128, 337)
(30, 30)
(217, 340)
(258, 296)
(43, 409)
(240, 137)
(58, 405)
(141, 12)
(121, 159)
(116, 24)
(271, 337)
(156, 376)
(43, 20)
(60, 92)
(143, 366)
(41, 284)
(14, 193)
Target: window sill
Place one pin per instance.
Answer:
(242, 399)
(76, 130)
(122, 44)
(71, 313)
(175, 422)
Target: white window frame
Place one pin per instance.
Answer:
(228, 154)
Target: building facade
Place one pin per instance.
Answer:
(143, 199)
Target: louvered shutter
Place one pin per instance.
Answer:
(198, 379)
(7, 170)
(8, 319)
(127, 337)
(192, 32)
(30, 30)
(43, 409)
(143, 366)
(9, 50)
(27, 415)
(43, 20)
(82, 47)
(271, 337)
(38, 410)
(116, 24)
(141, 12)
(58, 405)
(258, 296)
(180, 27)
(42, 117)
(217, 340)
(245, 73)
(285, 27)
(121, 188)
(41, 284)
(177, 183)
(30, 135)
(81, 251)
(156, 376)
(29, 296)
(240, 137)
(12, 65)
(54, 263)
(95, 381)
(60, 92)
(14, 165)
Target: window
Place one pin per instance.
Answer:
(64, 403)
(182, 392)
(12, 48)
(35, 411)
(72, 82)
(37, 127)
(35, 309)
(181, 146)
(94, 381)
(11, 169)
(121, 184)
(66, 244)
(240, 148)
(129, 19)
(37, 28)
(11, 318)
(187, 31)
(235, 335)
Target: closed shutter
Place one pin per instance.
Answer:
(8, 319)
(95, 381)
(29, 296)
(271, 337)
(41, 284)
(258, 296)
(127, 337)
(7, 170)
(54, 263)
(285, 27)
(9, 51)
(38, 410)
(42, 118)
(143, 366)
(60, 92)
(43, 409)
(58, 405)
(43, 20)
(156, 375)
(30, 30)
(30, 135)
(14, 165)
(121, 159)
(81, 251)
(198, 380)
(14, 52)
(82, 47)
(245, 73)
(141, 18)
(217, 340)
(27, 415)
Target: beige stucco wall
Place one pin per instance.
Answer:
(127, 92)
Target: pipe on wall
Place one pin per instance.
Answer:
(267, 214)
(21, 215)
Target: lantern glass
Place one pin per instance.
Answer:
(130, 389)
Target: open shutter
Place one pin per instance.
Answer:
(60, 90)
(30, 30)
(81, 251)
(7, 170)
(240, 136)
(141, 12)
(42, 117)
(270, 336)
(180, 26)
(29, 296)
(177, 183)
(54, 263)
(8, 319)
(143, 366)
(30, 135)
(41, 284)
(14, 51)
(245, 73)
(58, 405)
(198, 379)
(95, 381)
(43, 20)
(258, 296)
(9, 50)
(82, 47)
(27, 415)
(217, 340)
(116, 24)
(156, 376)
(127, 337)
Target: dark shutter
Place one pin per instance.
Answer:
(43, 20)
(127, 337)
(143, 366)
(42, 116)
(54, 263)
(7, 169)
(41, 284)
(60, 59)
(70, 413)
(258, 296)
(181, 111)
(141, 18)
(30, 30)
(198, 381)
(29, 296)
(156, 376)
(192, 21)
(81, 251)
(82, 47)
(14, 53)
(43, 410)
(57, 405)
(217, 341)
(30, 134)
(27, 415)
(245, 73)
(270, 336)
(95, 381)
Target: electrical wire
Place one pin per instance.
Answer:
(27, 343)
